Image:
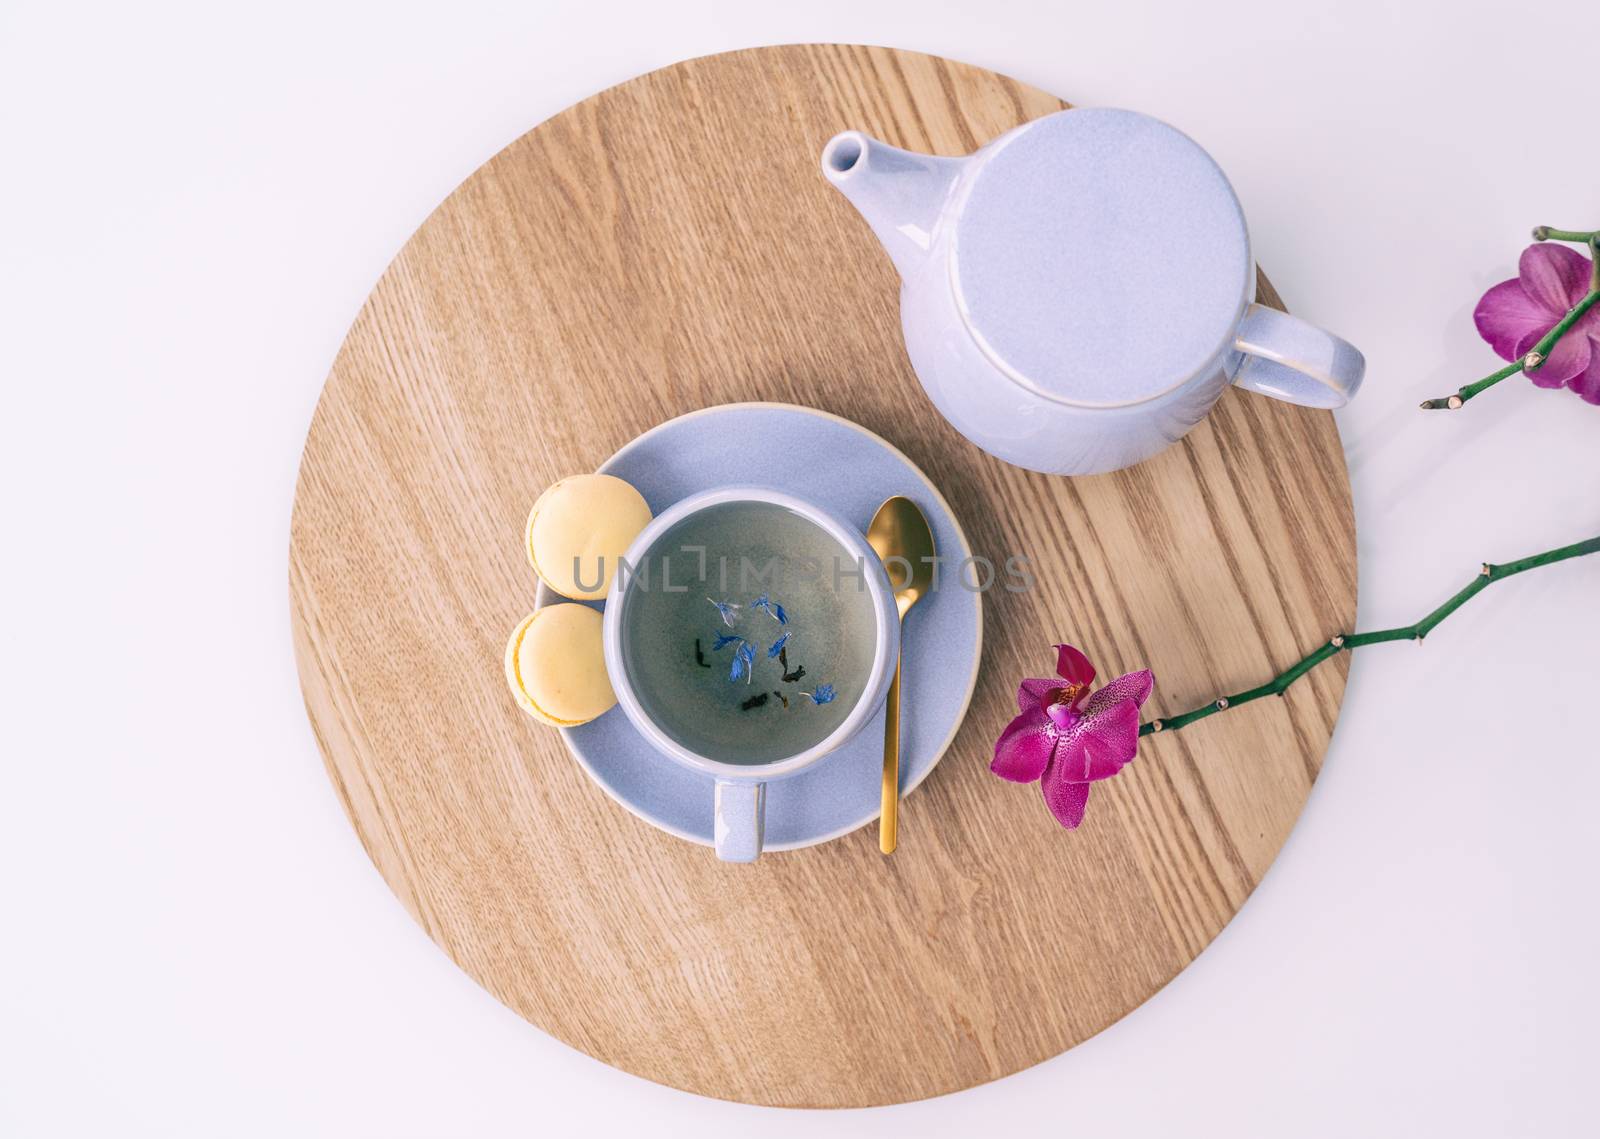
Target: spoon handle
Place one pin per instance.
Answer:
(889, 814)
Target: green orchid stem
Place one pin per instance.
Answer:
(1529, 363)
(1278, 684)
(1545, 233)
(1454, 402)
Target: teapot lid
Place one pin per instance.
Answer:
(1100, 257)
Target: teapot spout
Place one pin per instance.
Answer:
(901, 194)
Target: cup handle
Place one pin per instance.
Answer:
(740, 811)
(1288, 359)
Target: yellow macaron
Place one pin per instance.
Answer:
(579, 529)
(556, 666)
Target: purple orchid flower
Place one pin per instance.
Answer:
(1515, 314)
(1067, 738)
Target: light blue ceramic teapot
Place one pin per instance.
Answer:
(1077, 294)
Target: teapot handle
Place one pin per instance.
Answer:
(1288, 359)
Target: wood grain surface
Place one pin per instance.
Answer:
(667, 245)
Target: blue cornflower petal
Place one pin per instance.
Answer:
(748, 656)
(738, 668)
(724, 640)
(771, 608)
(823, 695)
(777, 645)
(729, 611)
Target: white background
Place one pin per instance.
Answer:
(195, 202)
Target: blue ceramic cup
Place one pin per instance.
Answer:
(657, 681)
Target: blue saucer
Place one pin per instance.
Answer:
(850, 471)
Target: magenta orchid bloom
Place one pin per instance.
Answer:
(1068, 738)
(1515, 314)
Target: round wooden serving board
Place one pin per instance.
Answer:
(667, 245)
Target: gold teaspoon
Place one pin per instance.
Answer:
(900, 536)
